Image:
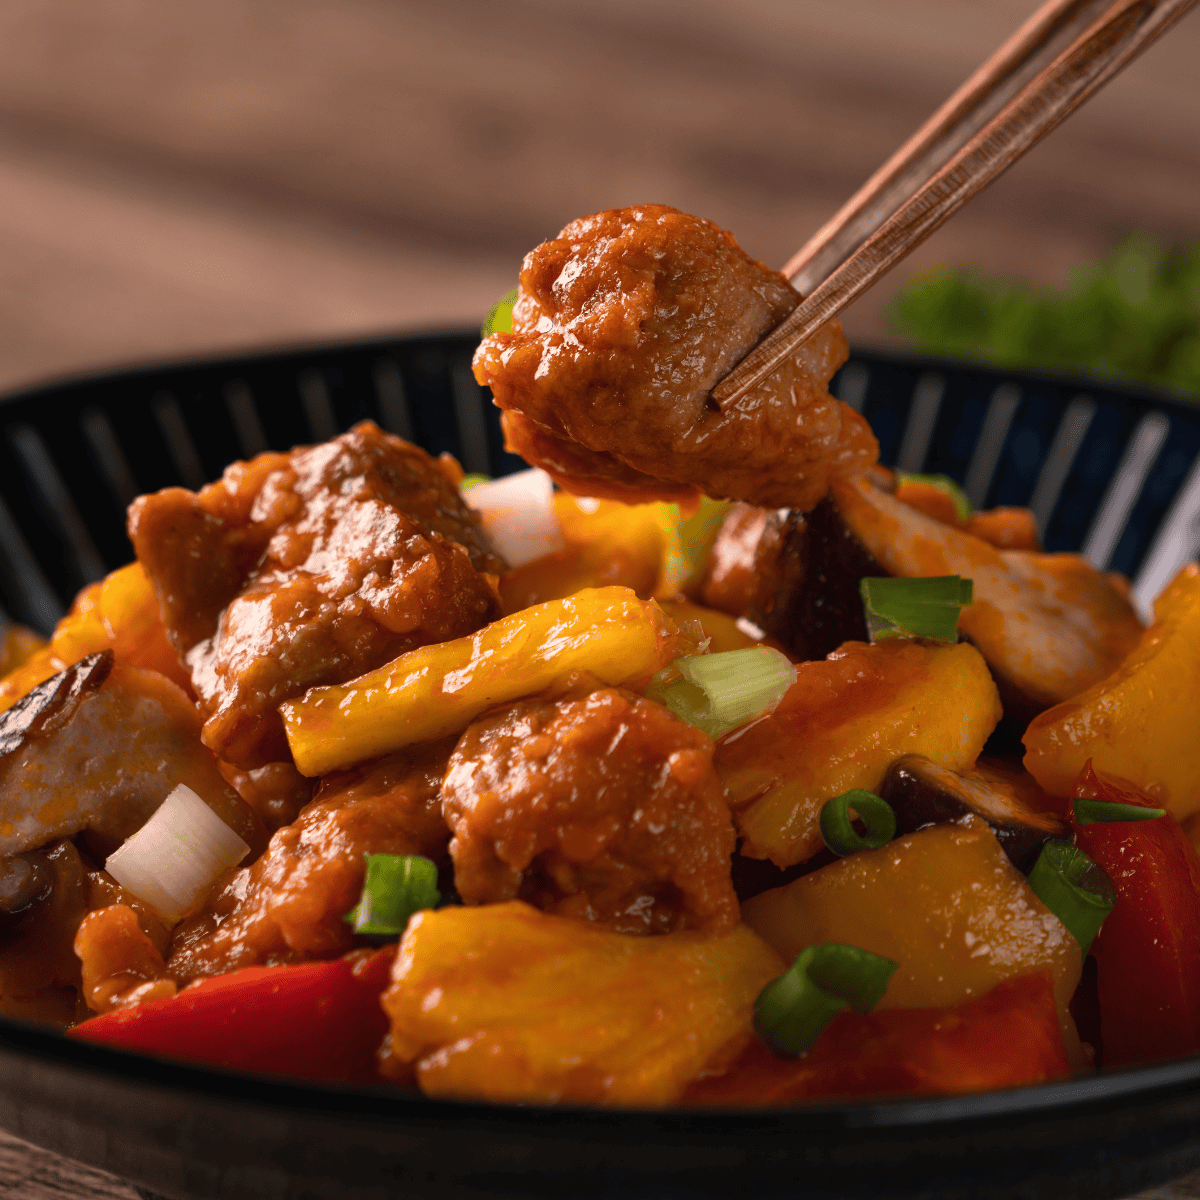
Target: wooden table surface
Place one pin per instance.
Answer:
(29, 1173)
(178, 178)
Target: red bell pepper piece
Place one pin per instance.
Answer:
(318, 1020)
(1007, 1037)
(1148, 949)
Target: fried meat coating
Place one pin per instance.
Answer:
(623, 325)
(290, 905)
(604, 807)
(309, 568)
(276, 792)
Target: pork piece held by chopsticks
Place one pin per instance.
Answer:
(622, 326)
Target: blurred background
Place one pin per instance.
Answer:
(180, 178)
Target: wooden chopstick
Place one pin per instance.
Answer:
(1036, 44)
(1125, 29)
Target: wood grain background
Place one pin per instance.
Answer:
(182, 177)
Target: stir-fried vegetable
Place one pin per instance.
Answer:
(924, 608)
(175, 857)
(594, 767)
(1074, 889)
(721, 692)
(397, 885)
(791, 1012)
(1148, 949)
(837, 828)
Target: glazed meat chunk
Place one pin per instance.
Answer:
(603, 806)
(623, 325)
(289, 906)
(310, 568)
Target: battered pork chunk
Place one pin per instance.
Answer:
(604, 807)
(291, 904)
(623, 325)
(310, 568)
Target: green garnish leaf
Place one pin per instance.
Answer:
(499, 320)
(470, 481)
(876, 814)
(397, 885)
(1089, 811)
(922, 608)
(1074, 888)
(719, 692)
(1130, 313)
(943, 483)
(825, 980)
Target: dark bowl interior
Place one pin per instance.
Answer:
(1107, 470)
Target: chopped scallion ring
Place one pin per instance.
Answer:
(719, 692)
(1089, 811)
(499, 320)
(943, 483)
(1071, 885)
(397, 886)
(921, 608)
(876, 814)
(825, 980)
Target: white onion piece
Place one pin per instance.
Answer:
(519, 514)
(174, 858)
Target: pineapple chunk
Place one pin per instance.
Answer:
(722, 630)
(504, 1003)
(944, 903)
(120, 613)
(1138, 723)
(437, 690)
(607, 543)
(18, 645)
(841, 725)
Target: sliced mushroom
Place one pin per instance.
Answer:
(923, 793)
(52, 704)
(39, 973)
(795, 576)
(23, 879)
(94, 750)
(1049, 625)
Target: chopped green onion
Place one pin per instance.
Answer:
(1070, 884)
(499, 320)
(689, 540)
(719, 692)
(1089, 811)
(825, 980)
(923, 608)
(875, 813)
(470, 481)
(943, 483)
(397, 886)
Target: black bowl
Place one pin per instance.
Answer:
(1106, 469)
